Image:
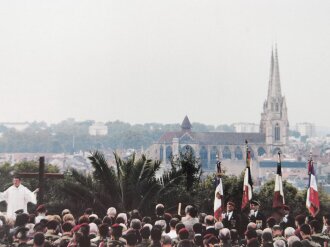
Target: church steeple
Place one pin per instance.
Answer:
(274, 120)
(274, 86)
(186, 125)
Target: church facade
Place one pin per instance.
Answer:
(210, 146)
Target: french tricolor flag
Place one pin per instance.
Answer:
(312, 199)
(218, 194)
(247, 185)
(278, 200)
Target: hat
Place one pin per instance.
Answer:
(21, 233)
(19, 211)
(255, 202)
(41, 208)
(65, 211)
(93, 216)
(276, 227)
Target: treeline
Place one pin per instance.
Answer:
(70, 136)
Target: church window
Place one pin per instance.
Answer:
(213, 155)
(168, 153)
(277, 132)
(272, 106)
(238, 153)
(226, 153)
(276, 107)
(261, 151)
(203, 156)
(161, 152)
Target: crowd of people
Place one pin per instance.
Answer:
(164, 229)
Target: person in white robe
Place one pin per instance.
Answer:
(17, 197)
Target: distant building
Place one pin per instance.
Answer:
(306, 129)
(16, 126)
(98, 129)
(246, 127)
(273, 135)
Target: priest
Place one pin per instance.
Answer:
(17, 197)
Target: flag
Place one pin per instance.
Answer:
(218, 194)
(247, 185)
(278, 199)
(312, 199)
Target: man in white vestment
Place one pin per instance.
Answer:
(17, 197)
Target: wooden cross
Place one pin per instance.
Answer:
(41, 175)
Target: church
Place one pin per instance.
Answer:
(210, 146)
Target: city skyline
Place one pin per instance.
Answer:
(153, 61)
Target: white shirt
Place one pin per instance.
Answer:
(229, 214)
(172, 234)
(17, 198)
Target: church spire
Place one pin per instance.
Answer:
(274, 86)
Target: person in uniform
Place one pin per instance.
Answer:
(256, 215)
(231, 219)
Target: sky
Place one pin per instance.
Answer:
(143, 61)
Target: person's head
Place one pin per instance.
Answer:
(67, 227)
(288, 232)
(122, 216)
(201, 217)
(183, 234)
(146, 220)
(156, 234)
(249, 234)
(198, 228)
(135, 224)
(131, 237)
(279, 243)
(88, 211)
(293, 239)
(173, 223)
(111, 212)
(166, 241)
(266, 237)
(224, 234)
(68, 217)
(271, 221)
(230, 206)
(300, 220)
(277, 230)
(251, 226)
(41, 209)
(191, 211)
(160, 210)
(145, 232)
(254, 205)
(40, 227)
(39, 239)
(16, 181)
(209, 220)
(116, 231)
(286, 209)
(178, 227)
(21, 234)
(305, 231)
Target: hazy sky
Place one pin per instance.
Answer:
(157, 61)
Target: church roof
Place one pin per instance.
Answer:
(213, 138)
(186, 125)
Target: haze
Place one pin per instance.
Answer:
(157, 61)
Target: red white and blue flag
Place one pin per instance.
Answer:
(218, 194)
(247, 185)
(312, 199)
(278, 200)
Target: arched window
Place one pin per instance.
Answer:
(168, 154)
(238, 153)
(161, 153)
(203, 156)
(261, 151)
(213, 156)
(187, 149)
(277, 132)
(272, 106)
(276, 107)
(226, 154)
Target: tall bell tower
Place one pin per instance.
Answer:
(274, 119)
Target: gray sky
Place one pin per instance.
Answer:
(156, 61)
